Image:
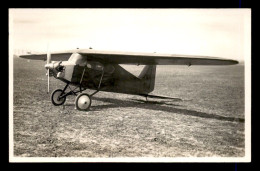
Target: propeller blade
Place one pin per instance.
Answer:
(48, 57)
(48, 71)
(48, 81)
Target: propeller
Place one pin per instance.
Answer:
(52, 67)
(48, 71)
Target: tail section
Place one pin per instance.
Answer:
(147, 77)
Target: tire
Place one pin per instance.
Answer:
(54, 98)
(83, 102)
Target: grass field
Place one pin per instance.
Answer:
(209, 121)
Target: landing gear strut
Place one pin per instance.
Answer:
(58, 96)
(82, 101)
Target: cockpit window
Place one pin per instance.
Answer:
(95, 66)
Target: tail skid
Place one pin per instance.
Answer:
(160, 97)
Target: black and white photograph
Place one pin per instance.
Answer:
(129, 85)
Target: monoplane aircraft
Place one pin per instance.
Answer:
(101, 71)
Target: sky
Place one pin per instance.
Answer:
(209, 32)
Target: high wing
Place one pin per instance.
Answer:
(135, 58)
(57, 56)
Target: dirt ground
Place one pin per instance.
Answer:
(209, 121)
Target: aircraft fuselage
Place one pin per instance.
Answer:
(97, 75)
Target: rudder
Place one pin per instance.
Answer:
(147, 77)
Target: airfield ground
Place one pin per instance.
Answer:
(209, 121)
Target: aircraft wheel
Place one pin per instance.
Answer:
(55, 98)
(83, 102)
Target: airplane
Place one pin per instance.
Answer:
(101, 71)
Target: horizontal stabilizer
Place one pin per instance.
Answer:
(160, 97)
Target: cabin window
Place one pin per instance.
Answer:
(109, 69)
(95, 66)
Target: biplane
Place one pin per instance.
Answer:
(101, 71)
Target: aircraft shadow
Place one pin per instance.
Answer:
(159, 106)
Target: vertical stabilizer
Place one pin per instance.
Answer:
(147, 77)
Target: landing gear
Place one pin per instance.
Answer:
(83, 102)
(56, 98)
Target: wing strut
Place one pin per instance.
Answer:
(100, 81)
